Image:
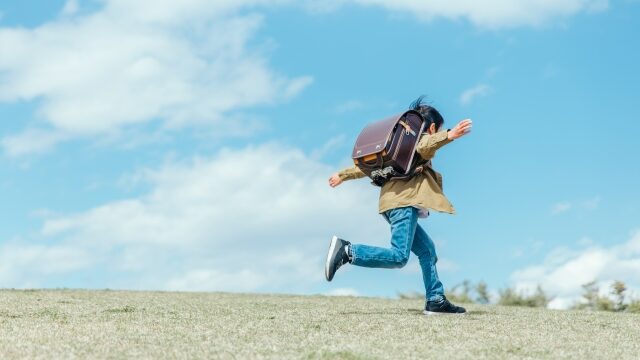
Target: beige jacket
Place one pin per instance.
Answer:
(423, 191)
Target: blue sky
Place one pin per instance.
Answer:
(187, 147)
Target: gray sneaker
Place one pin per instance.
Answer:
(336, 257)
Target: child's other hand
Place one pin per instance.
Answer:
(335, 180)
(460, 130)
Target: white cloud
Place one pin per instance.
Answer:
(561, 207)
(130, 63)
(25, 264)
(469, 95)
(592, 204)
(564, 271)
(492, 14)
(70, 8)
(564, 206)
(328, 147)
(343, 292)
(31, 141)
(254, 219)
(207, 279)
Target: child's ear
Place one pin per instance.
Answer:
(432, 129)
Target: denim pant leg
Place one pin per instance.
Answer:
(425, 249)
(403, 223)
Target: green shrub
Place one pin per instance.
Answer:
(593, 300)
(511, 297)
(618, 289)
(482, 292)
(634, 306)
(590, 296)
(460, 293)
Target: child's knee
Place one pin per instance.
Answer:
(401, 260)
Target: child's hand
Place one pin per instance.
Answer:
(460, 130)
(335, 180)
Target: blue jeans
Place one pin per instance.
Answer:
(406, 236)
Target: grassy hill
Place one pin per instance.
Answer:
(126, 324)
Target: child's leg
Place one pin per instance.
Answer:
(403, 223)
(425, 249)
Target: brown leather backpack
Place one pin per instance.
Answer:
(386, 150)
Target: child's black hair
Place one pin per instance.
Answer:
(429, 113)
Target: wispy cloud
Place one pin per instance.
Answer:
(565, 206)
(329, 146)
(493, 14)
(477, 91)
(70, 8)
(323, 6)
(592, 203)
(132, 63)
(31, 141)
(561, 207)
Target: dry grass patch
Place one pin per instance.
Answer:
(126, 324)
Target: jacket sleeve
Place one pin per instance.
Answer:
(351, 173)
(429, 144)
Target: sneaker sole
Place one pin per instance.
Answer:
(332, 247)
(436, 313)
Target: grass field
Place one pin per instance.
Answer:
(125, 324)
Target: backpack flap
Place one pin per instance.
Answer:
(374, 137)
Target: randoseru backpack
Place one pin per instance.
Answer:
(386, 150)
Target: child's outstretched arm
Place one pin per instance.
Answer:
(429, 144)
(347, 174)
